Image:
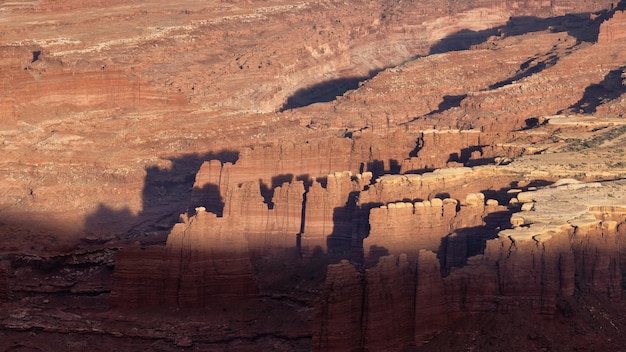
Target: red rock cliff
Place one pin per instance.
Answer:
(550, 251)
(205, 261)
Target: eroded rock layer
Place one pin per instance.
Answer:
(351, 175)
(205, 261)
(560, 241)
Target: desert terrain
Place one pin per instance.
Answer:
(254, 175)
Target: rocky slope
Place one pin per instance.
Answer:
(326, 176)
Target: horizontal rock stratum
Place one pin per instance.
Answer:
(328, 176)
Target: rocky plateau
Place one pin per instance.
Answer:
(390, 175)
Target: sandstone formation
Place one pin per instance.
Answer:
(339, 321)
(205, 261)
(550, 252)
(279, 175)
(613, 29)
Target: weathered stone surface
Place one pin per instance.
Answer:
(569, 240)
(204, 262)
(455, 183)
(389, 309)
(409, 227)
(338, 321)
(328, 214)
(267, 229)
(614, 29)
(110, 109)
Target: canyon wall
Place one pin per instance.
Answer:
(72, 98)
(549, 252)
(410, 147)
(407, 227)
(613, 30)
(204, 262)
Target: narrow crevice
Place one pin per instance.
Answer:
(180, 265)
(302, 219)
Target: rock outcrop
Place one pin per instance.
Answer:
(339, 320)
(406, 150)
(204, 262)
(614, 29)
(437, 225)
(562, 240)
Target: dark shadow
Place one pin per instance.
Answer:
(394, 167)
(419, 171)
(340, 241)
(166, 194)
(480, 162)
(536, 183)
(375, 253)
(528, 68)
(307, 182)
(462, 40)
(36, 54)
(350, 226)
(350, 134)
(610, 88)
(582, 26)
(111, 221)
(531, 123)
(419, 144)
(208, 197)
(465, 155)
(267, 191)
(464, 243)
(325, 91)
(449, 102)
(377, 168)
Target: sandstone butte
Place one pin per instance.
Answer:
(326, 176)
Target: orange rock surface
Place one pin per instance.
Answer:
(280, 175)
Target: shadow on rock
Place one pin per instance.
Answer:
(585, 27)
(612, 86)
(324, 91)
(166, 195)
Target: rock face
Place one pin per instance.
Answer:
(204, 262)
(329, 211)
(550, 251)
(389, 315)
(340, 319)
(410, 151)
(613, 29)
